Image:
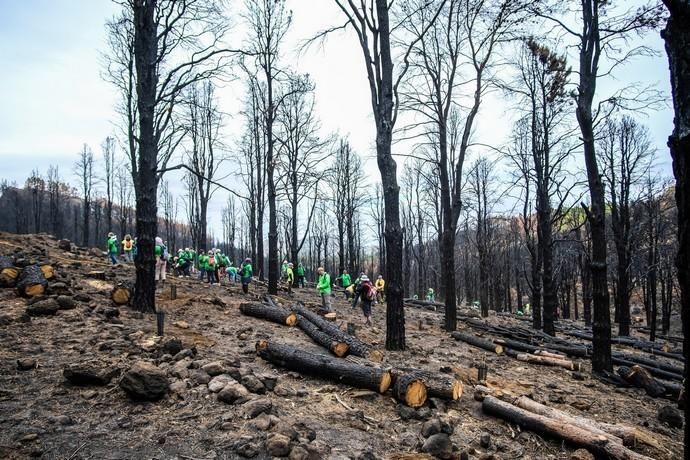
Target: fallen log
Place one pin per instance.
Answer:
(97, 275)
(596, 443)
(548, 361)
(8, 272)
(31, 282)
(656, 372)
(640, 377)
(122, 293)
(338, 348)
(338, 370)
(649, 362)
(410, 390)
(357, 347)
(273, 314)
(477, 342)
(438, 385)
(629, 436)
(48, 271)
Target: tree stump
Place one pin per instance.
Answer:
(122, 293)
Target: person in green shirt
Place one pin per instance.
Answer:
(430, 295)
(203, 259)
(211, 265)
(300, 275)
(112, 247)
(232, 273)
(290, 278)
(246, 274)
(324, 287)
(345, 281)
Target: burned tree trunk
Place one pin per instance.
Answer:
(338, 370)
(276, 315)
(31, 282)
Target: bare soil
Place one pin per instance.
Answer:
(42, 415)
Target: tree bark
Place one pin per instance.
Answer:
(273, 314)
(31, 282)
(338, 370)
(477, 342)
(330, 343)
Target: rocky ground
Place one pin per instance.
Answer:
(69, 370)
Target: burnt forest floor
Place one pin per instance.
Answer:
(42, 415)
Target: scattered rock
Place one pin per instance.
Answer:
(284, 391)
(64, 420)
(199, 377)
(26, 364)
(438, 445)
(423, 413)
(434, 426)
(262, 422)
(88, 373)
(181, 324)
(579, 376)
(671, 416)
(233, 392)
(581, 454)
(82, 297)
(182, 354)
(219, 382)
(171, 346)
(43, 308)
(299, 453)
(214, 368)
(406, 412)
(144, 381)
(269, 381)
(181, 368)
(278, 445)
(438, 404)
(66, 302)
(178, 387)
(253, 384)
(254, 407)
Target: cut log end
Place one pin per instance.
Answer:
(340, 349)
(291, 320)
(48, 271)
(121, 295)
(386, 380)
(499, 349)
(9, 273)
(376, 356)
(34, 290)
(330, 316)
(416, 394)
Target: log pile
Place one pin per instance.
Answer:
(477, 342)
(559, 425)
(332, 344)
(31, 282)
(443, 386)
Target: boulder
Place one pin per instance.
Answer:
(671, 416)
(43, 308)
(438, 445)
(233, 392)
(144, 381)
(66, 302)
(214, 368)
(26, 364)
(219, 382)
(88, 373)
(255, 407)
(253, 384)
(278, 445)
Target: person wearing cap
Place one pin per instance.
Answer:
(246, 274)
(290, 277)
(127, 246)
(324, 287)
(367, 293)
(211, 265)
(112, 247)
(161, 253)
(345, 281)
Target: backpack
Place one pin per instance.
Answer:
(128, 245)
(370, 293)
(212, 260)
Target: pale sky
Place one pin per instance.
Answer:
(53, 100)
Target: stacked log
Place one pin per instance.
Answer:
(338, 370)
(332, 344)
(48, 271)
(600, 444)
(31, 282)
(478, 342)
(356, 346)
(122, 293)
(270, 313)
(8, 272)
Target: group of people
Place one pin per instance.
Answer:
(128, 244)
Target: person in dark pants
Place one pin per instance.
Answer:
(246, 273)
(357, 295)
(367, 293)
(300, 275)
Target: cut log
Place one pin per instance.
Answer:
(649, 363)
(410, 390)
(357, 347)
(338, 370)
(598, 444)
(438, 385)
(548, 361)
(478, 342)
(122, 293)
(31, 282)
(655, 371)
(640, 377)
(332, 344)
(274, 314)
(48, 271)
(8, 272)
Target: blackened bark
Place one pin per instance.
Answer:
(677, 38)
(589, 64)
(145, 181)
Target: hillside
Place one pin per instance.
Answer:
(63, 370)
